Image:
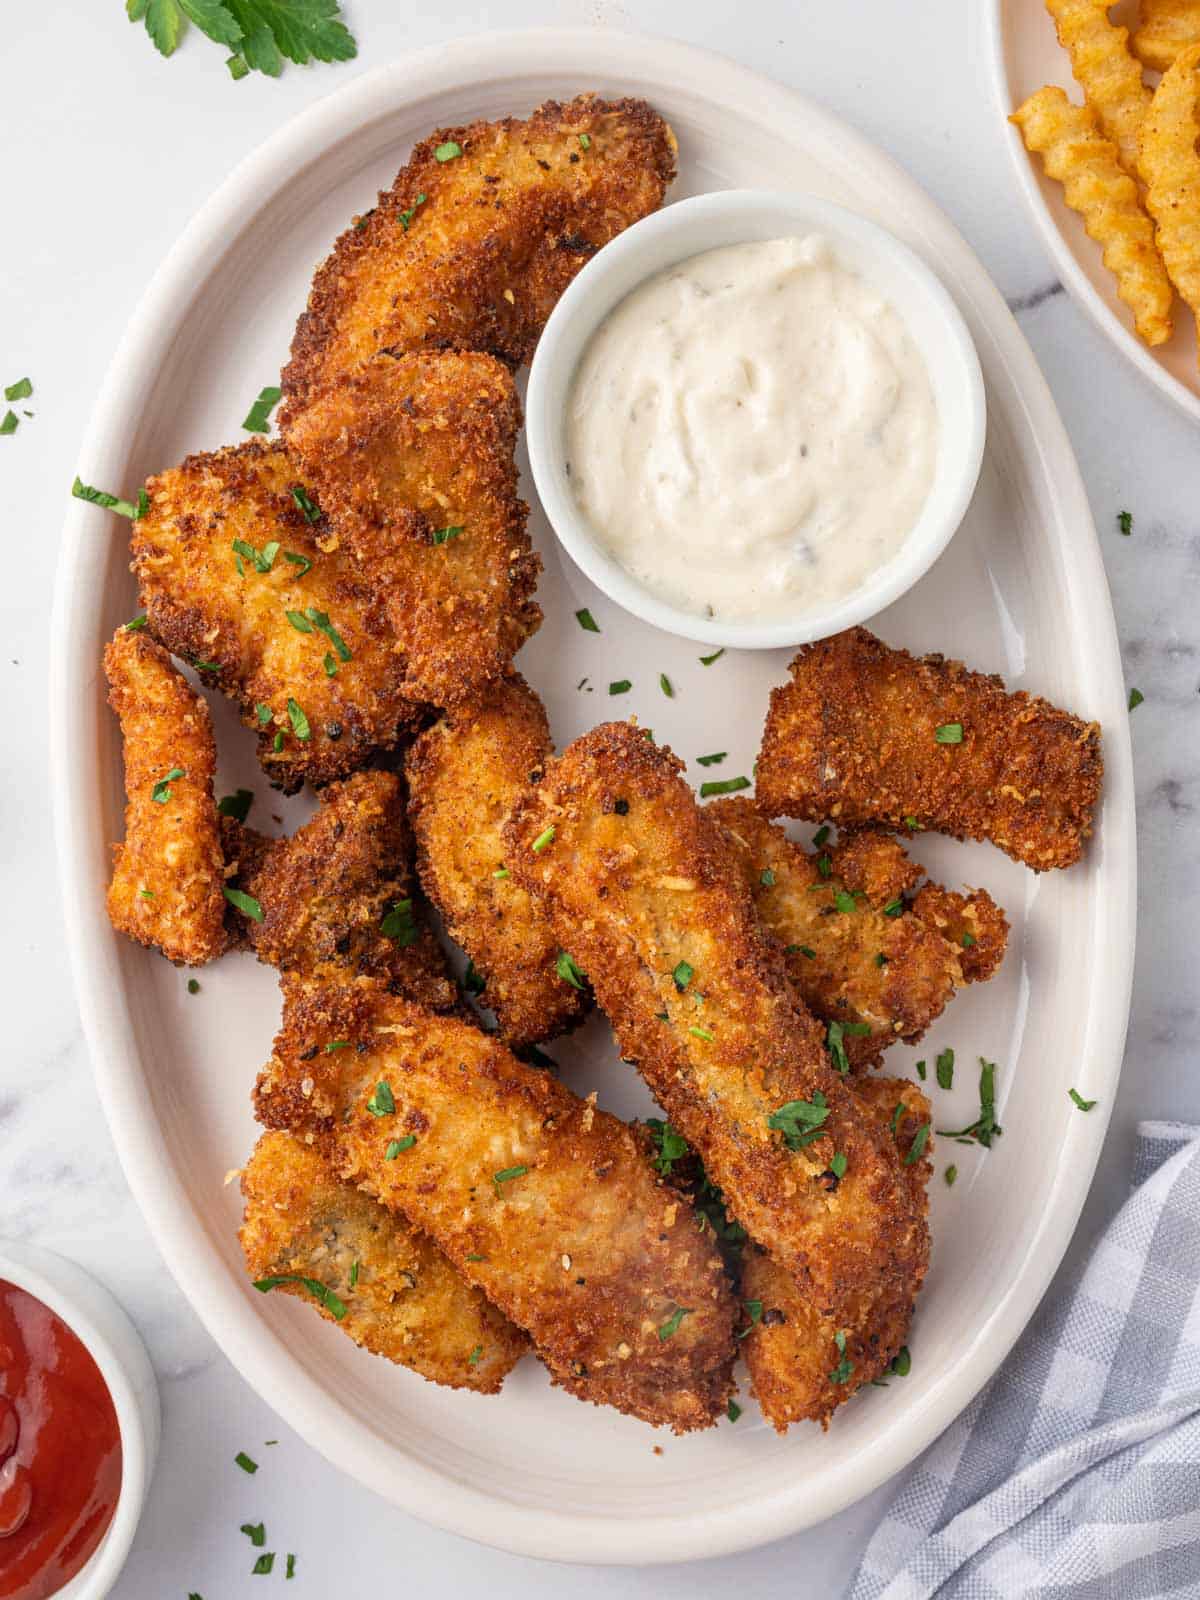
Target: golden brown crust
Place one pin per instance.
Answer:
(236, 624)
(472, 253)
(326, 892)
(464, 776)
(791, 1348)
(166, 888)
(547, 1204)
(836, 914)
(403, 1300)
(638, 879)
(852, 738)
(412, 459)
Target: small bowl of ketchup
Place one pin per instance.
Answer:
(79, 1427)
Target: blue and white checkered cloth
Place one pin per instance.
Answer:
(1075, 1475)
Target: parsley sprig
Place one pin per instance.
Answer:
(260, 33)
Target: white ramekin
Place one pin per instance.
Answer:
(112, 1341)
(736, 216)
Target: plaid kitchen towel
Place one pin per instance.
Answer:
(1075, 1475)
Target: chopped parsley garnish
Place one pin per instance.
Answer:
(354, 1271)
(725, 786)
(701, 1033)
(568, 970)
(841, 1373)
(320, 621)
(407, 216)
(845, 901)
(671, 1325)
(803, 950)
(383, 1102)
(473, 981)
(335, 1045)
(950, 1174)
(260, 33)
(97, 497)
(236, 805)
(917, 1149)
(733, 1411)
(800, 1121)
(754, 1310)
(967, 940)
(682, 975)
(263, 713)
(921, 1071)
(9, 423)
(880, 959)
(664, 683)
(444, 535)
(500, 872)
(310, 508)
(824, 865)
(193, 986)
(299, 621)
(669, 1142)
(263, 560)
(146, 894)
(298, 720)
(587, 621)
(767, 878)
(1084, 1105)
(911, 823)
(256, 1533)
(473, 1358)
(620, 686)
(835, 1041)
(1135, 698)
(277, 742)
(838, 1165)
(949, 733)
(509, 1173)
(543, 839)
(713, 760)
(894, 908)
(330, 664)
(245, 903)
(396, 1146)
(1124, 518)
(707, 661)
(136, 624)
(263, 1566)
(258, 418)
(398, 924)
(246, 1464)
(298, 561)
(290, 1569)
(448, 151)
(585, 141)
(21, 390)
(161, 791)
(821, 835)
(985, 1128)
(945, 1069)
(901, 1363)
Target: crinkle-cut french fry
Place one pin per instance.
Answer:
(1171, 171)
(1165, 29)
(1107, 73)
(1076, 154)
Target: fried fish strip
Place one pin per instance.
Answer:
(1106, 72)
(647, 894)
(1165, 29)
(327, 894)
(1171, 169)
(412, 459)
(479, 235)
(465, 774)
(856, 951)
(797, 1370)
(168, 875)
(320, 707)
(547, 1204)
(402, 1299)
(867, 734)
(1076, 154)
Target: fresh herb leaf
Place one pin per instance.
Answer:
(259, 32)
(835, 1041)
(399, 925)
(543, 839)
(97, 497)
(1124, 521)
(725, 786)
(669, 1142)
(767, 878)
(302, 562)
(569, 972)
(396, 1146)
(733, 1411)
(329, 662)
(1135, 698)
(265, 1563)
(21, 390)
(407, 216)
(298, 720)
(310, 508)
(671, 1325)
(845, 901)
(917, 1149)
(448, 151)
(707, 661)
(354, 1271)
(258, 418)
(473, 980)
(838, 1165)
(193, 986)
(754, 1310)
(256, 1533)
(335, 1045)
(246, 1464)
(290, 1568)
(9, 423)
(382, 1102)
(1084, 1105)
(161, 791)
(950, 1174)
(444, 535)
(967, 940)
(842, 1372)
(473, 1358)
(949, 733)
(620, 686)
(320, 621)
(299, 621)
(507, 1175)
(245, 903)
(921, 1071)
(136, 624)
(713, 760)
(585, 141)
(263, 560)
(263, 713)
(821, 835)
(587, 621)
(236, 805)
(985, 1128)
(894, 908)
(701, 1033)
(682, 975)
(664, 683)
(901, 1363)
(800, 1121)
(945, 1069)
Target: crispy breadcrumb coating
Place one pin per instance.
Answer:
(464, 776)
(216, 609)
(167, 880)
(857, 951)
(646, 893)
(792, 1347)
(402, 1298)
(854, 738)
(336, 898)
(471, 251)
(412, 459)
(547, 1204)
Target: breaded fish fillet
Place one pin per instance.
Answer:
(233, 614)
(412, 460)
(857, 951)
(545, 1203)
(398, 1295)
(799, 1370)
(479, 235)
(464, 776)
(168, 875)
(336, 898)
(867, 734)
(647, 895)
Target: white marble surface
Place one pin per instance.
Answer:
(108, 152)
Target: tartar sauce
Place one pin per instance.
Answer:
(752, 433)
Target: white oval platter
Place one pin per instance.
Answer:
(1021, 590)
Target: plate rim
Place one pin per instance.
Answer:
(1082, 290)
(256, 1350)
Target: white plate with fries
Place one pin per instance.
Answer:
(1020, 591)
(1025, 57)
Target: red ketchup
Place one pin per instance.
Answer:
(60, 1450)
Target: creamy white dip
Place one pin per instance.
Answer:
(752, 433)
